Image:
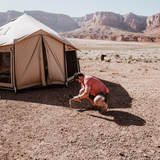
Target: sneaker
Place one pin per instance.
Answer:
(103, 111)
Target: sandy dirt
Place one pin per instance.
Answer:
(37, 124)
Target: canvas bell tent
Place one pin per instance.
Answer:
(32, 54)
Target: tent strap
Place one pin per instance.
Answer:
(65, 65)
(15, 83)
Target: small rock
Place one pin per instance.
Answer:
(72, 139)
(152, 151)
(145, 155)
(108, 60)
(119, 61)
(121, 154)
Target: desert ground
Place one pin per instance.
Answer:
(38, 124)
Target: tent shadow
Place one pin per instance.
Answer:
(122, 118)
(60, 95)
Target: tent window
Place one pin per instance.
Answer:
(72, 66)
(5, 65)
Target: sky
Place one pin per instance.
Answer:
(79, 8)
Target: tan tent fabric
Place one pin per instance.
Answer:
(27, 66)
(23, 27)
(38, 53)
(55, 58)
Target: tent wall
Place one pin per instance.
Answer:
(35, 57)
(29, 64)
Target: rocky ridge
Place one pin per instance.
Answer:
(57, 22)
(128, 22)
(116, 27)
(98, 25)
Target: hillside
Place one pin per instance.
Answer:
(98, 25)
(116, 27)
(57, 22)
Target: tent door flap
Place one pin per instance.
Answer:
(72, 64)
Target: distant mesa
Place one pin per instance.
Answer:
(98, 25)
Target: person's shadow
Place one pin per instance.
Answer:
(122, 118)
(118, 96)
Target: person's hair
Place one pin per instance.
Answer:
(77, 75)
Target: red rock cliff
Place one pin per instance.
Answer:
(130, 22)
(153, 21)
(57, 22)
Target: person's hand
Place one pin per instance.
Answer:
(71, 100)
(75, 98)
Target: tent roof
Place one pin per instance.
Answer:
(23, 27)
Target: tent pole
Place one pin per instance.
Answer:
(15, 84)
(65, 65)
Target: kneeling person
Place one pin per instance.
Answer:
(93, 90)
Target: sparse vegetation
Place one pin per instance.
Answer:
(101, 70)
(96, 57)
(117, 56)
(130, 57)
(130, 53)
